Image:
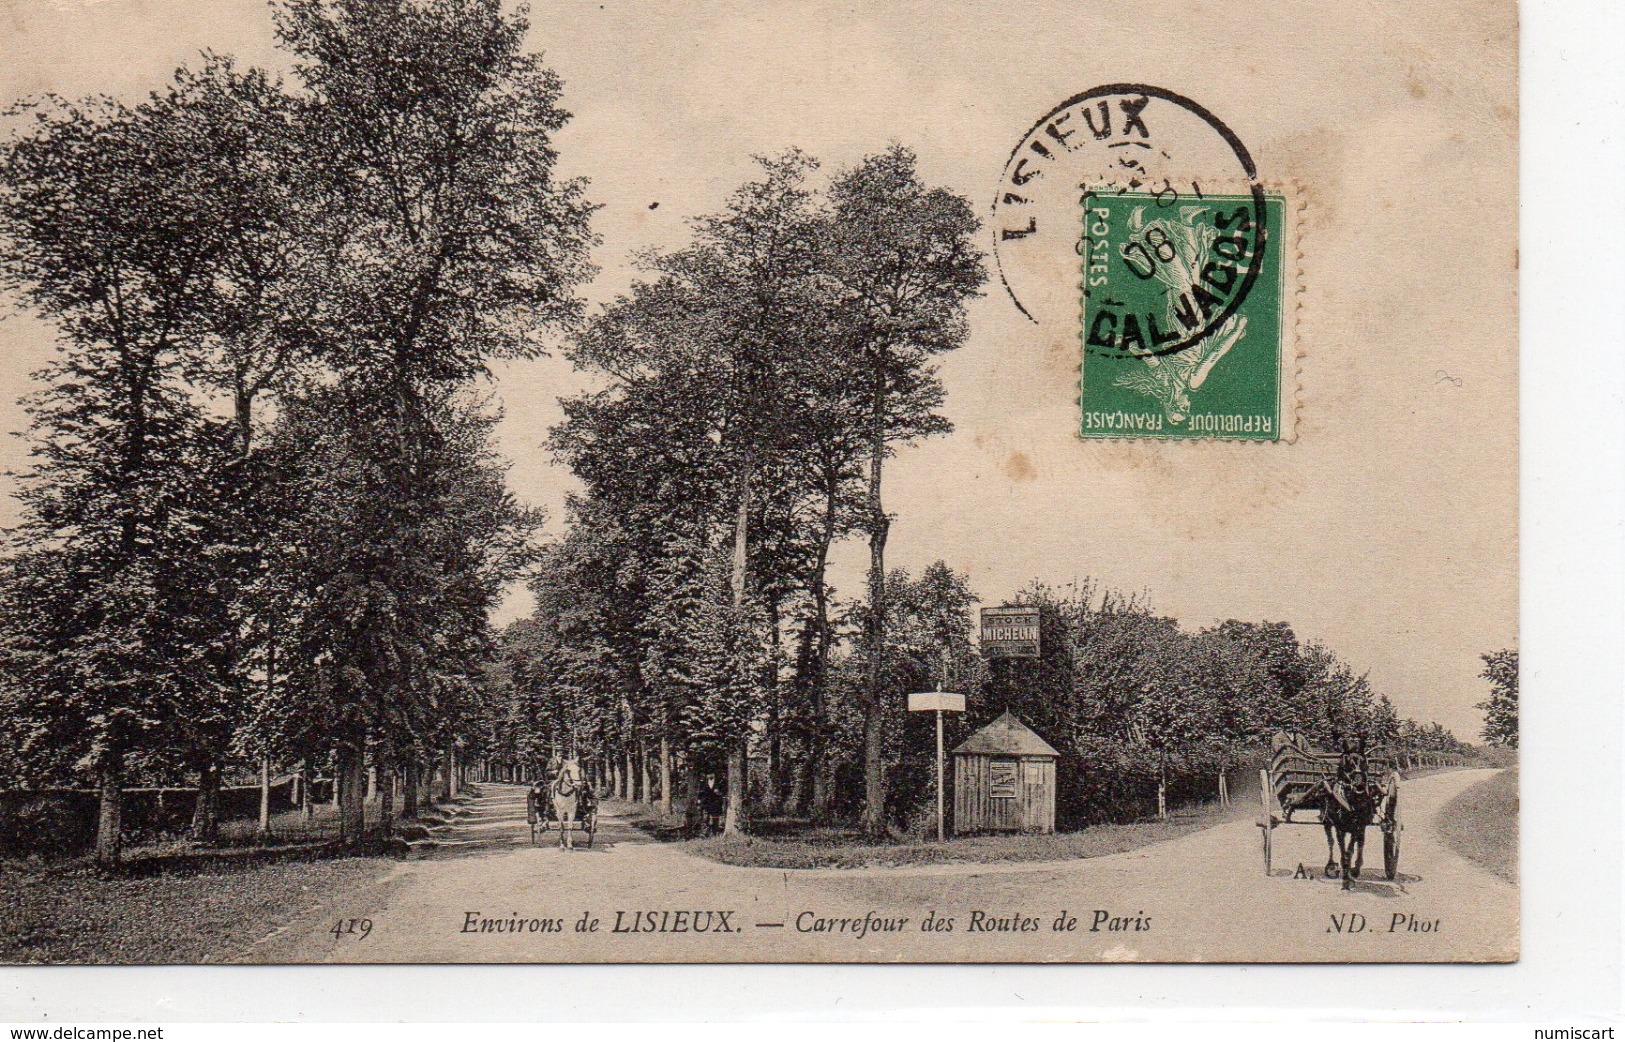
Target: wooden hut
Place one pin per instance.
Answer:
(1004, 780)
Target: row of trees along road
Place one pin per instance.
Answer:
(264, 520)
(757, 380)
(754, 383)
(263, 517)
(1500, 709)
(1141, 710)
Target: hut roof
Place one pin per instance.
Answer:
(1005, 736)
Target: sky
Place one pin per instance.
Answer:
(1387, 530)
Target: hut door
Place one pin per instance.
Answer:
(1033, 797)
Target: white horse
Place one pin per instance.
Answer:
(567, 800)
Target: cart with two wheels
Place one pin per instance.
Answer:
(1296, 777)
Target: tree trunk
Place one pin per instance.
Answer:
(629, 783)
(245, 405)
(806, 691)
(823, 789)
(409, 790)
(820, 770)
(800, 794)
(351, 781)
(385, 768)
(307, 808)
(738, 778)
(808, 687)
(773, 787)
(741, 555)
(206, 810)
(665, 775)
(874, 771)
(691, 792)
(110, 810)
(265, 796)
(874, 709)
(647, 772)
(448, 765)
(243, 410)
(734, 823)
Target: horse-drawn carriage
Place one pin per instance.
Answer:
(564, 801)
(1348, 791)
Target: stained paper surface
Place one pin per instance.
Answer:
(1324, 436)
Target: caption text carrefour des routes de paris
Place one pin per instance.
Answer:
(699, 921)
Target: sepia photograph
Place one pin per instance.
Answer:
(789, 483)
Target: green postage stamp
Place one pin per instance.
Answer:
(1185, 327)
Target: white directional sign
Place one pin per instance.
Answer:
(938, 702)
(942, 701)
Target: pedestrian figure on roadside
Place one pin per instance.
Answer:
(713, 805)
(539, 799)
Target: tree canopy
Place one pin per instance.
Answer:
(1501, 707)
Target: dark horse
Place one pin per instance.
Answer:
(1348, 804)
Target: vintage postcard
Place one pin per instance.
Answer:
(643, 483)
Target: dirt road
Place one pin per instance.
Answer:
(490, 896)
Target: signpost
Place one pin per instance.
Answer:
(941, 702)
(1010, 633)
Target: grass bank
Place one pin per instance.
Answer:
(784, 843)
(1481, 824)
(172, 910)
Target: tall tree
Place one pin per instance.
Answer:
(431, 134)
(428, 136)
(832, 472)
(928, 647)
(253, 335)
(903, 256)
(110, 232)
(1275, 647)
(671, 667)
(727, 330)
(1501, 707)
(387, 634)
